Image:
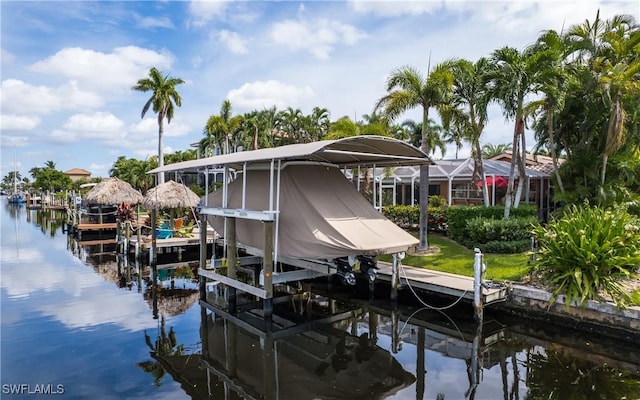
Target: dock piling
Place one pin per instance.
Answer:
(478, 272)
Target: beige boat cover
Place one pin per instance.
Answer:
(322, 216)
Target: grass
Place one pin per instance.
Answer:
(457, 259)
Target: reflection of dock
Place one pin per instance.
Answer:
(296, 358)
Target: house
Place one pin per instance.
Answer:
(453, 180)
(78, 173)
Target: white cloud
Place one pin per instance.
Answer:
(204, 11)
(395, 8)
(6, 57)
(18, 96)
(265, 94)
(9, 141)
(319, 37)
(102, 126)
(232, 41)
(117, 70)
(154, 22)
(98, 124)
(18, 122)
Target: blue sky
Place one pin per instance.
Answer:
(68, 67)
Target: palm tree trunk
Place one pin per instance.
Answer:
(522, 163)
(508, 198)
(160, 146)
(479, 165)
(552, 150)
(424, 185)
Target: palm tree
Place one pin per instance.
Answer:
(408, 88)
(164, 99)
(318, 124)
(50, 165)
(468, 111)
(455, 135)
(620, 73)
(219, 129)
(609, 49)
(553, 84)
(513, 77)
(434, 136)
(491, 150)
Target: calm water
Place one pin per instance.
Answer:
(80, 320)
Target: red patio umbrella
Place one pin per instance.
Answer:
(498, 181)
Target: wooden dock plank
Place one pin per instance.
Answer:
(96, 227)
(439, 282)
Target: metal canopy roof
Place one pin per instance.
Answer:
(364, 151)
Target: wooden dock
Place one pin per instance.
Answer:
(96, 226)
(440, 282)
(194, 240)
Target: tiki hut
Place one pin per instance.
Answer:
(113, 191)
(170, 194)
(172, 302)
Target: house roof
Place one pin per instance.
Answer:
(533, 161)
(78, 171)
(464, 168)
(461, 169)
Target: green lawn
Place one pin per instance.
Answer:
(457, 259)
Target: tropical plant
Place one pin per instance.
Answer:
(435, 134)
(407, 88)
(490, 150)
(467, 113)
(134, 172)
(513, 77)
(165, 344)
(219, 130)
(553, 83)
(586, 252)
(163, 101)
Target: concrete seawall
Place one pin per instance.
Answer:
(596, 317)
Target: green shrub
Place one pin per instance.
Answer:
(408, 217)
(502, 247)
(403, 216)
(459, 216)
(588, 250)
(501, 236)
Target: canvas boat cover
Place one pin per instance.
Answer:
(322, 215)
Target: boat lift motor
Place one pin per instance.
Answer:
(347, 266)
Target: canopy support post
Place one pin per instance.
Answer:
(232, 250)
(267, 265)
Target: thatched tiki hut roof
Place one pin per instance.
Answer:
(172, 302)
(113, 191)
(170, 194)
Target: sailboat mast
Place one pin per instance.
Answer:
(15, 172)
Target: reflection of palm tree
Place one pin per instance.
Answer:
(166, 344)
(580, 379)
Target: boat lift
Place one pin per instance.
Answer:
(347, 153)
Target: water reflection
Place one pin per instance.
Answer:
(95, 311)
(365, 351)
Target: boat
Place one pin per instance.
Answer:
(321, 223)
(16, 197)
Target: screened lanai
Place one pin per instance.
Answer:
(453, 180)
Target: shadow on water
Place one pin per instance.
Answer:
(331, 342)
(320, 347)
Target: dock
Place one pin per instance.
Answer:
(440, 282)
